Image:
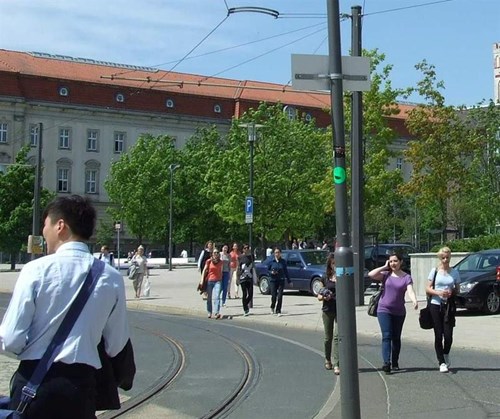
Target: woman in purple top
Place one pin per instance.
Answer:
(391, 311)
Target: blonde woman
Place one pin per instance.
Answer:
(142, 264)
(442, 305)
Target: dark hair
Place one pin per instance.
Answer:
(329, 262)
(397, 254)
(76, 211)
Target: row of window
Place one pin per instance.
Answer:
(64, 180)
(92, 140)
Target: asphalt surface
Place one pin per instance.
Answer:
(174, 292)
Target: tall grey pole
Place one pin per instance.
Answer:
(172, 167)
(251, 140)
(38, 186)
(349, 380)
(357, 181)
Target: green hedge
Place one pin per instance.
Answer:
(474, 244)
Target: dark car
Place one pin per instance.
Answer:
(377, 254)
(480, 279)
(305, 267)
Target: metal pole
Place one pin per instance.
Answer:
(118, 244)
(172, 167)
(357, 198)
(349, 380)
(251, 140)
(38, 186)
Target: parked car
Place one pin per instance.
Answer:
(306, 268)
(377, 254)
(480, 276)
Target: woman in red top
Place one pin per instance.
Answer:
(233, 271)
(213, 270)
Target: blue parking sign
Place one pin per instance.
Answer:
(249, 209)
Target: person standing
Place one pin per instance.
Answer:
(391, 311)
(233, 273)
(105, 256)
(142, 270)
(246, 273)
(213, 271)
(43, 293)
(442, 305)
(327, 295)
(226, 259)
(278, 273)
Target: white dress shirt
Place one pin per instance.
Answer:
(44, 291)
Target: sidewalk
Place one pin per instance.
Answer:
(175, 292)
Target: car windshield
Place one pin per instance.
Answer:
(478, 262)
(317, 257)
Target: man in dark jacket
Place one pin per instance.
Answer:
(278, 272)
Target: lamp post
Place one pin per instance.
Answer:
(172, 167)
(252, 137)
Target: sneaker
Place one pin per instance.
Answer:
(247, 313)
(279, 314)
(443, 368)
(447, 360)
(224, 305)
(386, 368)
(272, 310)
(395, 367)
(218, 316)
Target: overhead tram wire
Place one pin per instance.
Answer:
(397, 9)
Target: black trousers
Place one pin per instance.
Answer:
(67, 391)
(277, 295)
(246, 294)
(443, 332)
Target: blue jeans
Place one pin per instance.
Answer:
(391, 327)
(225, 283)
(213, 297)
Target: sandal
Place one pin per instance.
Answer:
(328, 365)
(336, 370)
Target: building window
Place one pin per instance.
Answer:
(217, 109)
(399, 163)
(3, 132)
(290, 112)
(91, 181)
(120, 97)
(169, 103)
(63, 91)
(63, 179)
(308, 117)
(92, 140)
(64, 138)
(33, 135)
(119, 142)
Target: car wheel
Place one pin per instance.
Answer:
(316, 285)
(491, 303)
(264, 286)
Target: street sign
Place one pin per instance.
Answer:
(118, 225)
(311, 72)
(249, 210)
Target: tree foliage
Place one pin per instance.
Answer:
(17, 203)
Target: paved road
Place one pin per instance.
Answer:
(476, 351)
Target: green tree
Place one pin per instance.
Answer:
(138, 187)
(441, 151)
(290, 160)
(16, 205)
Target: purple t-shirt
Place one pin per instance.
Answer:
(393, 296)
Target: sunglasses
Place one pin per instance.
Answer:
(216, 253)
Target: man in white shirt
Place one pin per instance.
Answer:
(105, 256)
(44, 291)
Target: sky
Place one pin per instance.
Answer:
(200, 37)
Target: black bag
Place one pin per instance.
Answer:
(425, 318)
(5, 412)
(373, 303)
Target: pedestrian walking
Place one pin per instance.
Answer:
(106, 256)
(233, 291)
(205, 254)
(213, 271)
(391, 311)
(246, 273)
(442, 305)
(140, 260)
(226, 260)
(43, 293)
(278, 273)
(327, 294)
